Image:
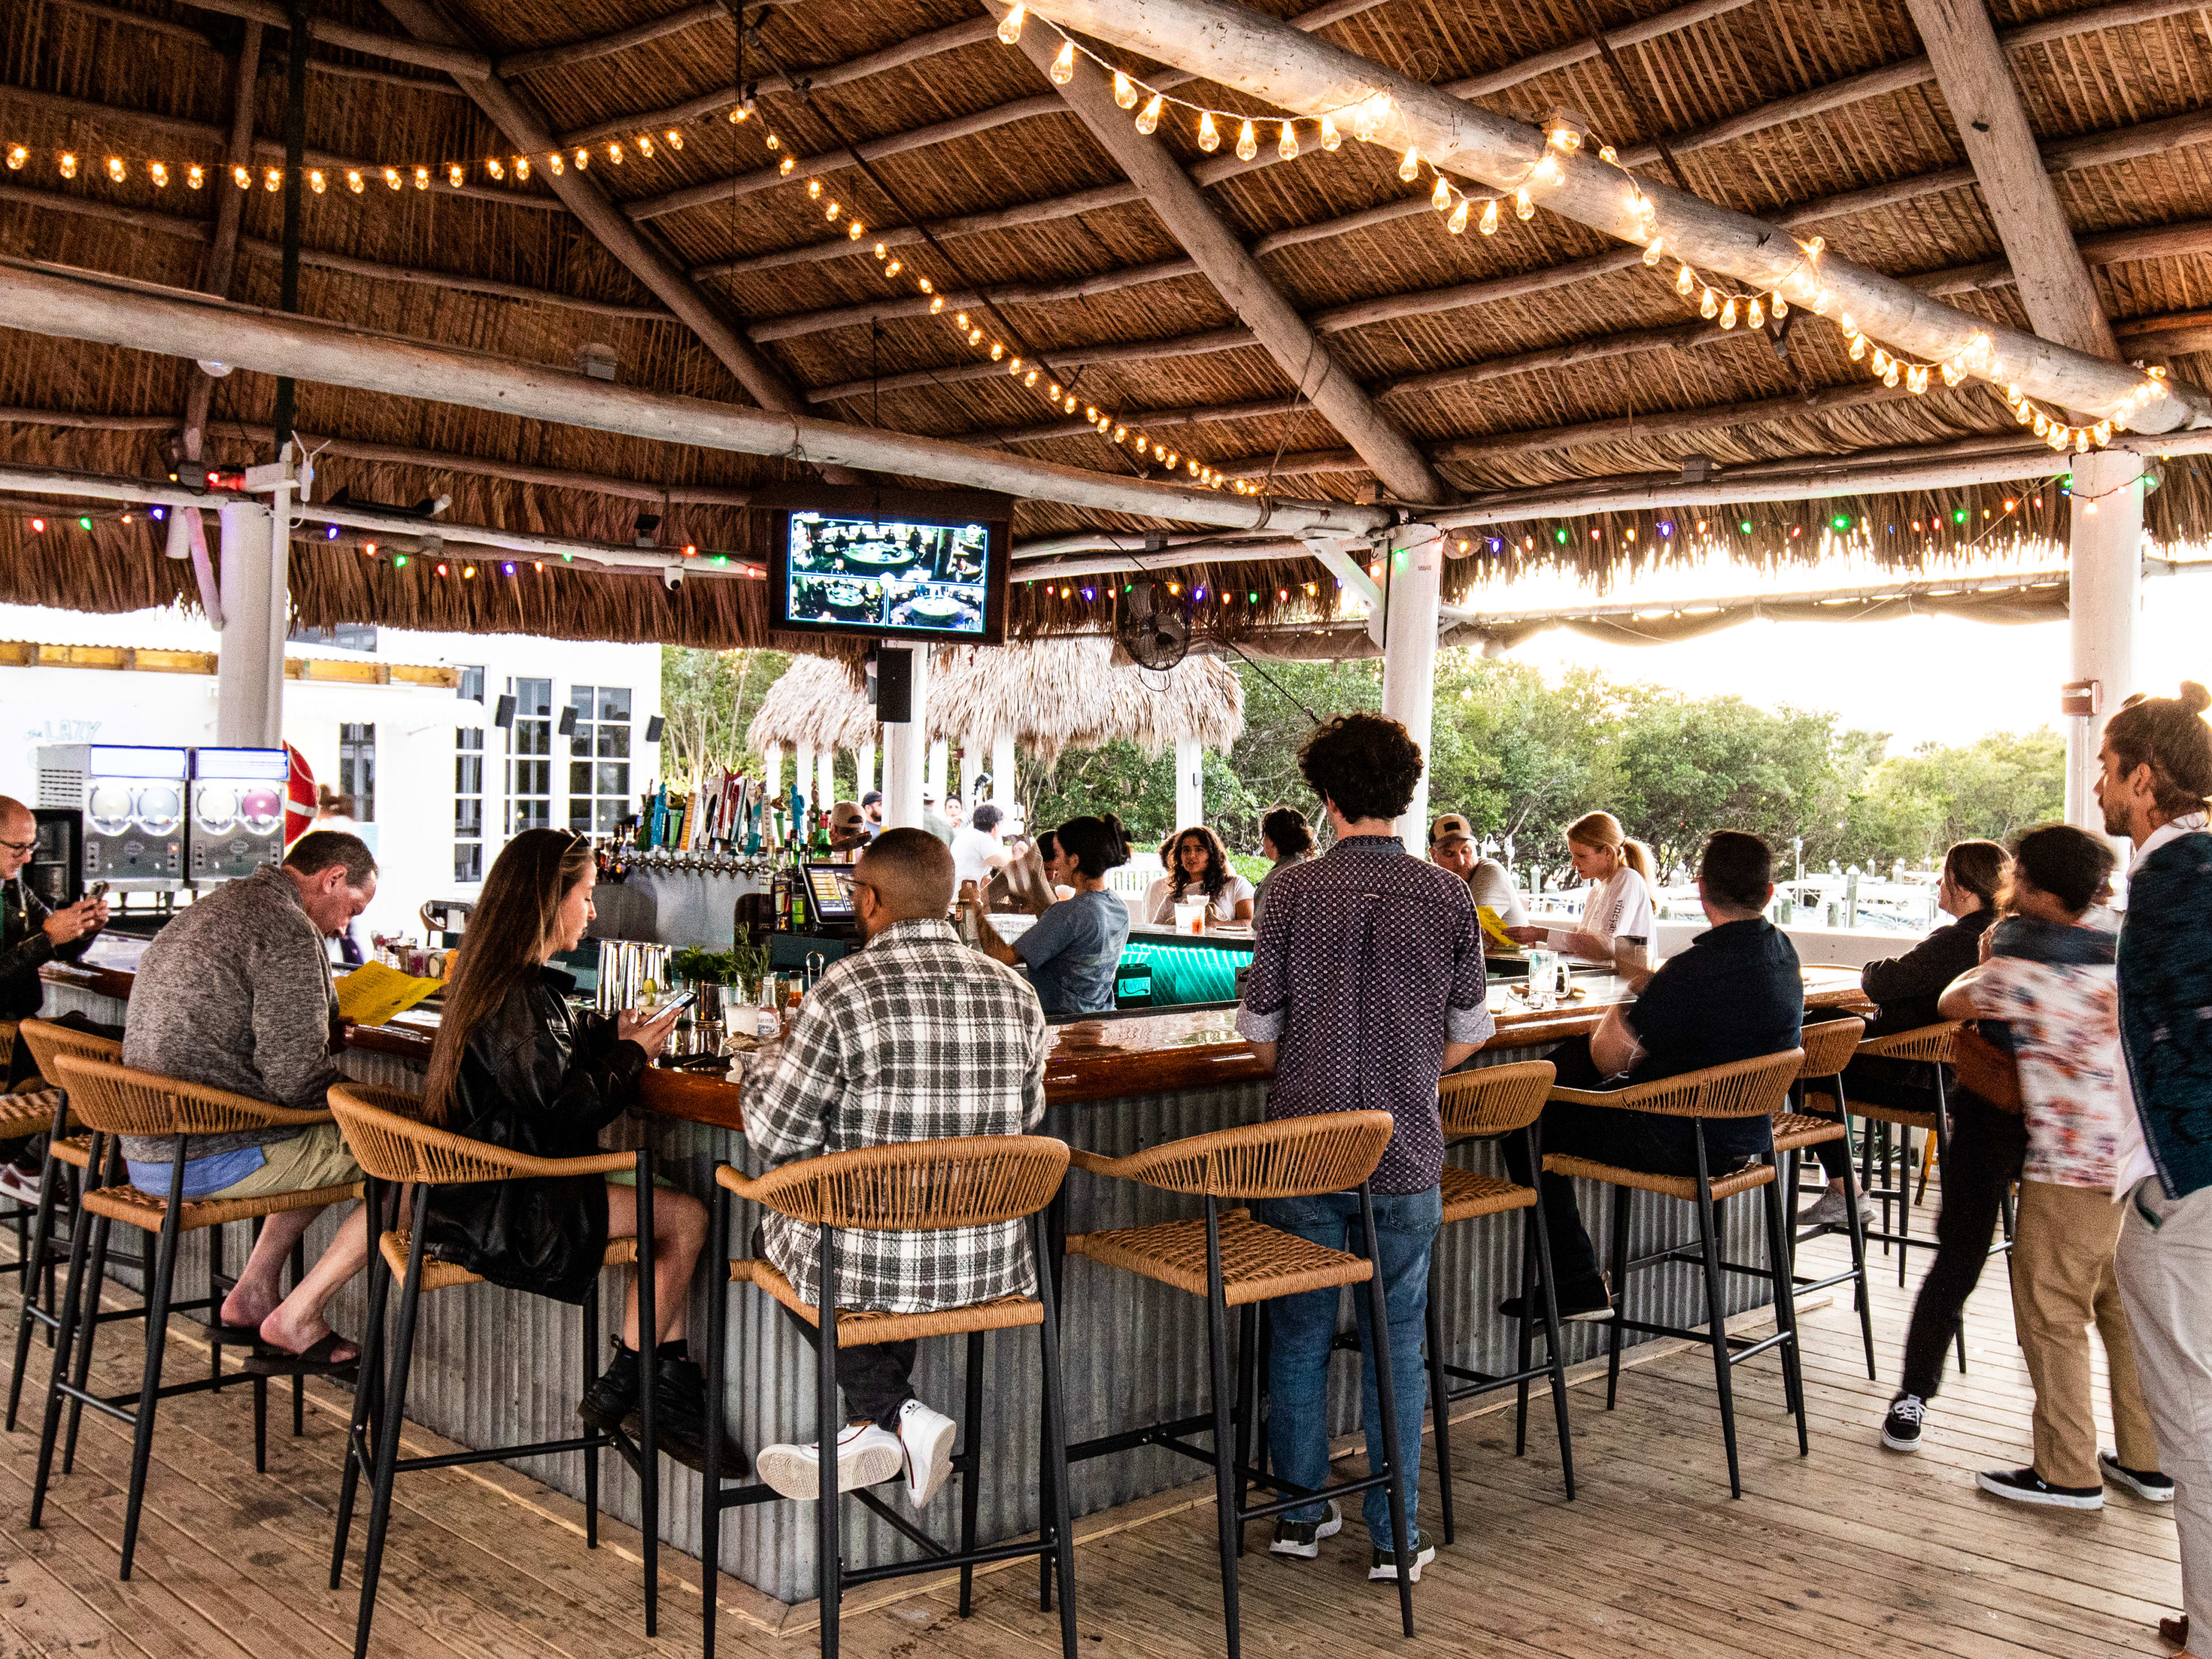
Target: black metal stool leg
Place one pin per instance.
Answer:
(971, 1479)
(1439, 1399)
(66, 1337)
(1224, 1483)
(593, 1359)
(387, 1442)
(364, 1386)
(829, 1427)
(157, 1343)
(1786, 1310)
(299, 1379)
(95, 1277)
(1716, 1311)
(1856, 1228)
(1403, 1535)
(1248, 1402)
(1619, 1295)
(718, 1328)
(1055, 1416)
(1524, 1347)
(1540, 1240)
(648, 1359)
(40, 1266)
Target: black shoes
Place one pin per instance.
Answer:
(2026, 1486)
(679, 1408)
(1900, 1430)
(1581, 1299)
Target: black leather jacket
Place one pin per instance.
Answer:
(540, 1081)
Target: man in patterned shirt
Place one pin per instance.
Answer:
(915, 1037)
(1366, 985)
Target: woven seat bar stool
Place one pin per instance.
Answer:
(396, 1151)
(1235, 1262)
(61, 1181)
(922, 1186)
(1934, 1046)
(1485, 1103)
(114, 1100)
(1740, 1089)
(1829, 1047)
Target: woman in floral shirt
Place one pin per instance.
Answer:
(2048, 980)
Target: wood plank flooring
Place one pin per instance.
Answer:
(1851, 1550)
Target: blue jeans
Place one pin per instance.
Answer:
(1305, 1329)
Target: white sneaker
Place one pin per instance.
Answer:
(19, 1185)
(926, 1437)
(1828, 1211)
(866, 1457)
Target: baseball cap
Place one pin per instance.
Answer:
(1451, 826)
(871, 798)
(847, 815)
(928, 795)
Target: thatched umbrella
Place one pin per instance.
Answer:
(1066, 693)
(815, 704)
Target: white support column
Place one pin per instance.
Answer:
(939, 760)
(2106, 565)
(827, 795)
(771, 771)
(909, 754)
(864, 768)
(250, 662)
(1190, 783)
(1411, 580)
(971, 762)
(1002, 771)
(802, 770)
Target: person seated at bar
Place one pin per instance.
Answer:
(514, 1066)
(1200, 871)
(977, 853)
(1366, 987)
(235, 992)
(2049, 985)
(31, 936)
(1904, 989)
(1619, 907)
(1286, 839)
(913, 1037)
(1452, 847)
(1736, 994)
(1074, 952)
(1035, 879)
(849, 829)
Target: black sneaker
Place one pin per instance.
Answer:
(2143, 1483)
(2026, 1486)
(1302, 1538)
(1900, 1430)
(610, 1403)
(1383, 1564)
(1584, 1298)
(679, 1418)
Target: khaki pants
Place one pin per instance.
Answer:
(2165, 1264)
(317, 1156)
(2061, 1283)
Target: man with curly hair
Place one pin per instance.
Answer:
(1366, 985)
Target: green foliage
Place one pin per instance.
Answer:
(1912, 806)
(708, 698)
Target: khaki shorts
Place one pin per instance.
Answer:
(317, 1158)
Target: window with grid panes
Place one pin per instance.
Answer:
(530, 763)
(599, 757)
(357, 768)
(468, 785)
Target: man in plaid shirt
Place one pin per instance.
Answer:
(915, 1037)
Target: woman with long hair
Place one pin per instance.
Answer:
(1199, 868)
(1286, 839)
(514, 1066)
(1620, 905)
(1074, 950)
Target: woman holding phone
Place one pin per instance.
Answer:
(514, 1066)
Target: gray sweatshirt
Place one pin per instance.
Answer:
(235, 993)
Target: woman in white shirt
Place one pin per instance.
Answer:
(1620, 906)
(1201, 869)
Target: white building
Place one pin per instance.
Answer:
(439, 784)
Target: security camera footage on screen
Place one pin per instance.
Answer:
(858, 574)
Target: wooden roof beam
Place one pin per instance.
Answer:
(1991, 122)
(606, 45)
(1236, 276)
(452, 59)
(113, 311)
(1256, 55)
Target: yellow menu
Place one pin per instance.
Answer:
(1494, 925)
(373, 994)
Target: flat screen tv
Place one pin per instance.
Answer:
(893, 565)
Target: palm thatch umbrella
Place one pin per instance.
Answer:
(814, 705)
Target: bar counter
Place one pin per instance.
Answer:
(495, 1366)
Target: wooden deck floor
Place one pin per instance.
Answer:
(1853, 1550)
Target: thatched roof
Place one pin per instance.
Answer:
(1537, 356)
(1048, 695)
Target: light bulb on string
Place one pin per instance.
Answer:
(16, 156)
(390, 177)
(1330, 137)
(422, 178)
(1754, 313)
(1063, 66)
(116, 173)
(1287, 145)
(1441, 197)
(273, 178)
(1778, 306)
(1248, 141)
(456, 175)
(1209, 135)
(1525, 205)
(1655, 251)
(1685, 280)
(1010, 26)
(315, 180)
(1409, 165)
(68, 165)
(1489, 225)
(1148, 119)
(1710, 306)
(1457, 222)
(1727, 313)
(195, 176)
(645, 146)
(1548, 171)
(1363, 121)
(1125, 92)
(159, 173)
(615, 154)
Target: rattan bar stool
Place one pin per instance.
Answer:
(114, 1100)
(1743, 1088)
(1934, 1046)
(1235, 1262)
(923, 1186)
(395, 1150)
(1483, 1105)
(61, 1181)
(1829, 1047)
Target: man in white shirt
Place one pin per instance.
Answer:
(977, 853)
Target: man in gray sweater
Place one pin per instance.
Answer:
(235, 993)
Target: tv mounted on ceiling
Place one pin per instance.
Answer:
(892, 564)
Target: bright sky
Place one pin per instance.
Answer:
(1919, 678)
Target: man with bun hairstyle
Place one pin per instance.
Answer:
(2154, 783)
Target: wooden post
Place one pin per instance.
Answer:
(2106, 559)
(1412, 574)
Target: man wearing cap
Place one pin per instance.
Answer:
(872, 805)
(1452, 847)
(932, 819)
(849, 829)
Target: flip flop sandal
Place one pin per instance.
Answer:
(317, 1361)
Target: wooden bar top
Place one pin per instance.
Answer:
(1092, 1060)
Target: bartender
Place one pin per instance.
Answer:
(31, 936)
(1074, 950)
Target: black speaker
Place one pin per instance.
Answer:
(652, 725)
(895, 684)
(502, 714)
(567, 726)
